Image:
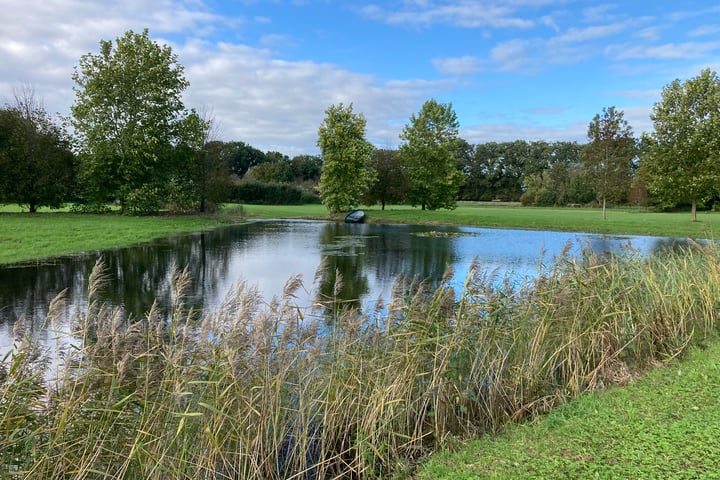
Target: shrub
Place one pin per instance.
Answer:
(145, 200)
(545, 198)
(250, 191)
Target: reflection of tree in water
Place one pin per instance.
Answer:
(344, 251)
(27, 290)
(384, 251)
(406, 251)
(137, 276)
(664, 246)
(144, 273)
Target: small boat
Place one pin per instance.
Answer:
(356, 216)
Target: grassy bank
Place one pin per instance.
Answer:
(666, 425)
(262, 390)
(25, 237)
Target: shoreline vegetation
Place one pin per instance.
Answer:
(261, 389)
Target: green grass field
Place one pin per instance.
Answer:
(30, 237)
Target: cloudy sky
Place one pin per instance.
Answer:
(266, 70)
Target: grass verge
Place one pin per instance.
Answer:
(666, 425)
(27, 237)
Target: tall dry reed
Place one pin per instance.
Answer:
(267, 390)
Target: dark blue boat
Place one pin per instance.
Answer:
(356, 216)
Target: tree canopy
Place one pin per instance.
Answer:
(429, 156)
(128, 115)
(683, 159)
(391, 184)
(609, 155)
(37, 164)
(346, 155)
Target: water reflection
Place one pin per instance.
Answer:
(368, 258)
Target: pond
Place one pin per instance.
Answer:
(369, 257)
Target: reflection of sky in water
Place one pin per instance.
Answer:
(267, 253)
(269, 259)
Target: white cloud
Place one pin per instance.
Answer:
(668, 51)
(705, 31)
(466, 65)
(598, 13)
(508, 132)
(576, 35)
(461, 13)
(512, 55)
(279, 105)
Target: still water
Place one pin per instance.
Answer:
(267, 253)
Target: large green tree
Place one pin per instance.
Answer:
(37, 166)
(683, 159)
(346, 156)
(129, 116)
(608, 157)
(429, 155)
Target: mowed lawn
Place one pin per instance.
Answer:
(31, 237)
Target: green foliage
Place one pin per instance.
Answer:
(538, 191)
(202, 177)
(239, 156)
(37, 164)
(392, 183)
(271, 172)
(252, 191)
(145, 200)
(428, 154)
(307, 167)
(272, 156)
(682, 159)
(128, 115)
(506, 170)
(608, 158)
(346, 155)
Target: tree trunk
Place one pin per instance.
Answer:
(693, 211)
(604, 209)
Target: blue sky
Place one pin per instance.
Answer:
(267, 70)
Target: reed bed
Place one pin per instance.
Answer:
(264, 389)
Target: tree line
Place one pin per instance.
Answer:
(136, 144)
